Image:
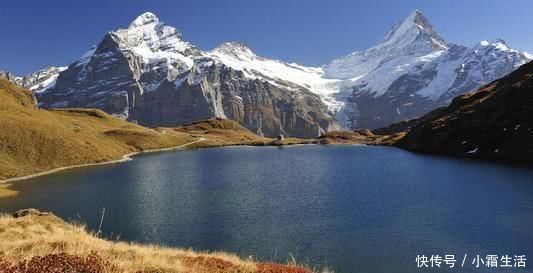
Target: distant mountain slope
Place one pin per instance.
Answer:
(34, 140)
(148, 73)
(413, 71)
(41, 80)
(495, 122)
(38, 81)
(6, 75)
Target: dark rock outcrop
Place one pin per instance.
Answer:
(29, 212)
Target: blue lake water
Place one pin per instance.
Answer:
(352, 208)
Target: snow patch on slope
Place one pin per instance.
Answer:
(42, 80)
(240, 57)
(412, 38)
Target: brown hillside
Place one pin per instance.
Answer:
(495, 122)
(221, 132)
(34, 140)
(361, 136)
(36, 242)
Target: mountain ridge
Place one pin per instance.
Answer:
(412, 71)
(148, 74)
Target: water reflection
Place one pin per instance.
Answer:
(350, 206)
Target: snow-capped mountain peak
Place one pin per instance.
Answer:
(159, 46)
(147, 31)
(414, 33)
(144, 19)
(501, 45)
(149, 73)
(415, 70)
(412, 38)
(497, 47)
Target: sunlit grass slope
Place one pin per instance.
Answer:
(33, 140)
(40, 241)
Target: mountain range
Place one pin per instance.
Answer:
(147, 73)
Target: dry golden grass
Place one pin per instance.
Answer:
(223, 132)
(34, 140)
(45, 238)
(358, 137)
(220, 132)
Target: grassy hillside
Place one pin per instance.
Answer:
(34, 140)
(495, 122)
(224, 132)
(220, 132)
(39, 242)
(362, 136)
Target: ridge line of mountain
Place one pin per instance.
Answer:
(134, 73)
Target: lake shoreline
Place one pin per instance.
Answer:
(5, 192)
(124, 158)
(129, 156)
(205, 140)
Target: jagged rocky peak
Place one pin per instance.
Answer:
(415, 33)
(497, 44)
(499, 51)
(9, 76)
(413, 70)
(148, 34)
(148, 23)
(414, 36)
(144, 19)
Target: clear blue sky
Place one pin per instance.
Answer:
(37, 34)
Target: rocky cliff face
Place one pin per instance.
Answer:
(148, 74)
(495, 122)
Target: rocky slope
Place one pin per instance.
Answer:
(495, 122)
(147, 73)
(413, 71)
